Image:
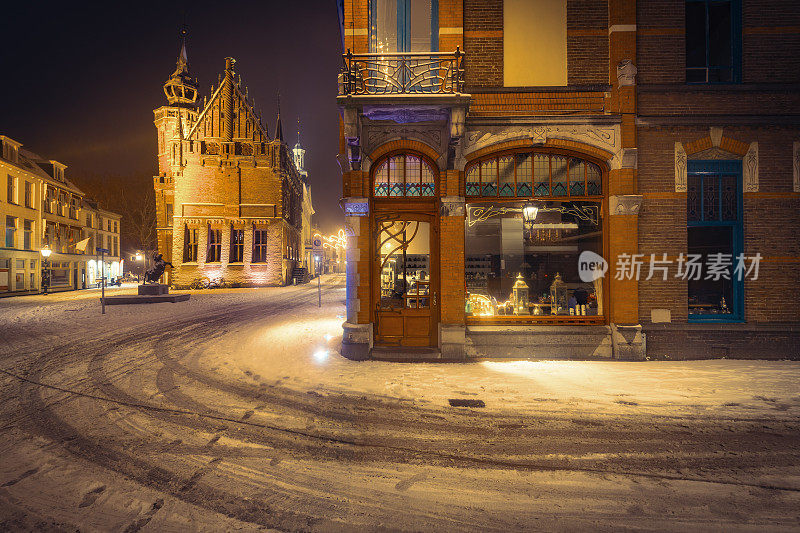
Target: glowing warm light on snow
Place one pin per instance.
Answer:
(320, 356)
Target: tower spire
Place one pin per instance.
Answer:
(299, 154)
(181, 89)
(278, 127)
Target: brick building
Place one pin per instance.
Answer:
(41, 207)
(229, 199)
(487, 145)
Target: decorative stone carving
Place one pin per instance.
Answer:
(796, 161)
(626, 73)
(379, 135)
(356, 207)
(716, 136)
(603, 137)
(750, 168)
(680, 167)
(457, 117)
(405, 114)
(625, 204)
(714, 153)
(452, 206)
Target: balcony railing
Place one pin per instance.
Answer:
(404, 73)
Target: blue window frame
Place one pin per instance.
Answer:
(714, 220)
(713, 41)
(404, 26)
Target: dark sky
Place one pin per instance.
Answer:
(80, 81)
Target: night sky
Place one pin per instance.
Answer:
(80, 82)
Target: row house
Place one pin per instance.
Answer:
(42, 209)
(570, 178)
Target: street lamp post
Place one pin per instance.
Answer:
(319, 285)
(139, 258)
(45, 270)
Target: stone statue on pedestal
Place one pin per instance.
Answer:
(152, 275)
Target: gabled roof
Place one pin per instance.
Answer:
(246, 125)
(36, 165)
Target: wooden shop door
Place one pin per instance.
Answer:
(406, 281)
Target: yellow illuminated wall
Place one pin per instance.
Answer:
(534, 42)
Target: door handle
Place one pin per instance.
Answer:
(434, 298)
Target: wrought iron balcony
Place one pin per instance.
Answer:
(404, 73)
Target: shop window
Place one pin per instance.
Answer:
(521, 261)
(404, 175)
(259, 246)
(189, 245)
(404, 26)
(214, 252)
(714, 236)
(237, 245)
(713, 41)
(534, 43)
(528, 174)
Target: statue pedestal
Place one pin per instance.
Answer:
(153, 289)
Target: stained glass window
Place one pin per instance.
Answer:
(559, 175)
(489, 177)
(473, 181)
(524, 175)
(382, 180)
(404, 175)
(533, 174)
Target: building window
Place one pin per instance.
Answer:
(47, 201)
(522, 261)
(526, 174)
(189, 245)
(259, 246)
(214, 253)
(28, 194)
(714, 235)
(534, 43)
(404, 175)
(713, 41)
(169, 213)
(404, 26)
(27, 234)
(11, 229)
(237, 245)
(11, 189)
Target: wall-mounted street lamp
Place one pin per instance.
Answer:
(529, 212)
(46, 251)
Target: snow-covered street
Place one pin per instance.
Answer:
(234, 411)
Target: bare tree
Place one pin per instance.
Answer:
(134, 199)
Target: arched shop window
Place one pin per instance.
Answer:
(530, 216)
(404, 175)
(533, 174)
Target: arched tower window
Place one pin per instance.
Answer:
(404, 175)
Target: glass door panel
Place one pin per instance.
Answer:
(405, 292)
